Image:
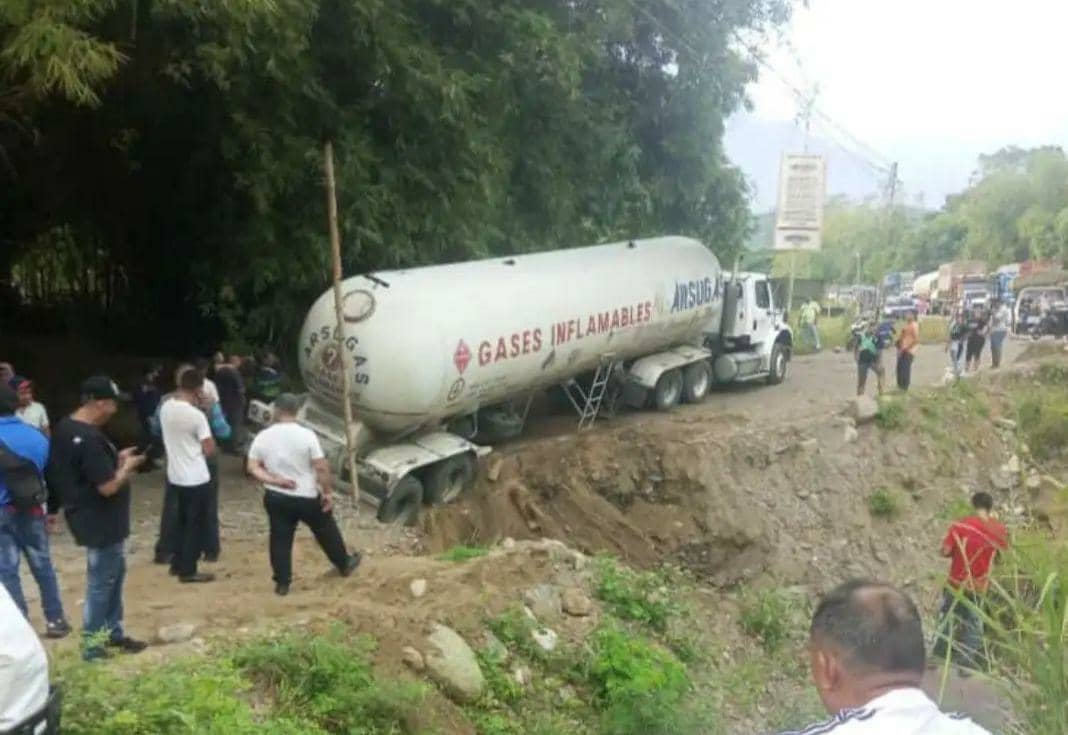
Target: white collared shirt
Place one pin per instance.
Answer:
(905, 711)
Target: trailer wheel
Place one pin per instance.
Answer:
(446, 480)
(401, 507)
(777, 365)
(698, 379)
(668, 390)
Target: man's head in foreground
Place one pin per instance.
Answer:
(866, 640)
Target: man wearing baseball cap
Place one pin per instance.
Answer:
(91, 480)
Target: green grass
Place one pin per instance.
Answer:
(293, 684)
(884, 503)
(956, 509)
(771, 616)
(645, 597)
(463, 553)
(891, 414)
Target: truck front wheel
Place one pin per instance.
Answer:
(446, 480)
(777, 365)
(401, 507)
(668, 390)
(698, 378)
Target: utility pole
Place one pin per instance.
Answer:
(339, 313)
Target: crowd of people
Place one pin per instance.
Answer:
(968, 334)
(867, 648)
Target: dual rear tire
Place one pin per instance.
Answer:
(441, 483)
(690, 383)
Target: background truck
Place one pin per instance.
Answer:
(443, 356)
(946, 297)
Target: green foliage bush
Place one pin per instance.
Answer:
(463, 553)
(1042, 419)
(884, 503)
(891, 414)
(632, 595)
(771, 616)
(291, 684)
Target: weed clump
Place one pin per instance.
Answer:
(884, 503)
(891, 414)
(463, 553)
(640, 596)
(770, 616)
(1042, 419)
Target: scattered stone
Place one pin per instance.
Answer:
(566, 695)
(175, 633)
(545, 638)
(508, 544)
(418, 588)
(1002, 478)
(850, 434)
(493, 471)
(802, 493)
(493, 648)
(530, 613)
(863, 409)
(452, 664)
(809, 445)
(576, 602)
(413, 659)
(1034, 481)
(902, 451)
(1004, 423)
(878, 554)
(544, 601)
(521, 675)
(1013, 465)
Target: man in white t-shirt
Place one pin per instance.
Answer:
(23, 667)
(867, 658)
(288, 459)
(30, 411)
(188, 442)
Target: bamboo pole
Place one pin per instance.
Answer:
(346, 361)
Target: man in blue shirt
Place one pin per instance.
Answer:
(24, 530)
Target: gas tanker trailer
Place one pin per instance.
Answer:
(444, 356)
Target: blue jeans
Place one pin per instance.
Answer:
(956, 356)
(105, 573)
(960, 631)
(23, 533)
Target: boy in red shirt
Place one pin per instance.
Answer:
(971, 545)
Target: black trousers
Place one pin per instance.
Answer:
(193, 504)
(904, 370)
(284, 512)
(169, 542)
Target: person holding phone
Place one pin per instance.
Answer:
(90, 478)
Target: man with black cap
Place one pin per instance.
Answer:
(91, 480)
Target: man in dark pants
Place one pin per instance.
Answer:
(907, 344)
(288, 460)
(188, 442)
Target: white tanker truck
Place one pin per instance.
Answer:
(443, 355)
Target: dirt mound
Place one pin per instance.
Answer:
(731, 501)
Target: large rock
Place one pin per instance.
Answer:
(176, 633)
(1002, 478)
(452, 664)
(863, 409)
(544, 601)
(577, 603)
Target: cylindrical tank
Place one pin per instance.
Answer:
(425, 344)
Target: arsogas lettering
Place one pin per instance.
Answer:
(691, 294)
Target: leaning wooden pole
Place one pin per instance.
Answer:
(346, 361)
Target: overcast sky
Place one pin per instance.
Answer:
(928, 83)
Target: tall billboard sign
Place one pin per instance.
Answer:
(802, 189)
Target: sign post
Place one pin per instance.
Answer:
(799, 221)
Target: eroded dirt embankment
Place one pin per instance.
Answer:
(732, 502)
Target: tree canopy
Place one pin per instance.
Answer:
(163, 156)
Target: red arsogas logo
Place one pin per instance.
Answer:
(461, 357)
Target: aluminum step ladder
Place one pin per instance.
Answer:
(588, 405)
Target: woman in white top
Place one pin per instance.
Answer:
(999, 329)
(30, 411)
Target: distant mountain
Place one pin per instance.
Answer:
(756, 147)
